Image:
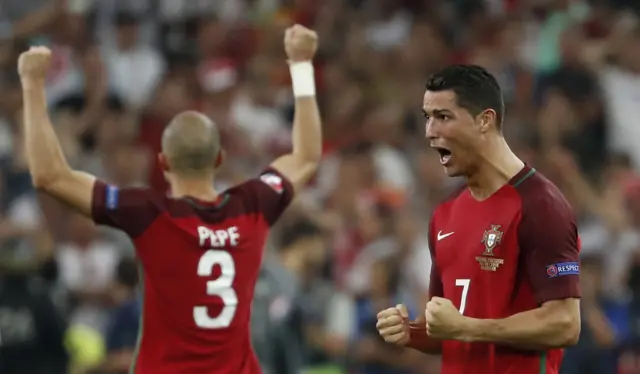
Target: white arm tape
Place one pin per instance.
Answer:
(302, 79)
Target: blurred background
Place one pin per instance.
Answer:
(355, 241)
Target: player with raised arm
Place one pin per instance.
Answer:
(504, 280)
(200, 250)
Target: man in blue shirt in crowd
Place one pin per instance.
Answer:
(124, 322)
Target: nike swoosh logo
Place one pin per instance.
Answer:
(442, 236)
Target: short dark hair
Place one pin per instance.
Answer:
(475, 88)
(299, 230)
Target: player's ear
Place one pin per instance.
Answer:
(487, 119)
(162, 161)
(220, 159)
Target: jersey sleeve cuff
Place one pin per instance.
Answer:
(417, 335)
(287, 186)
(98, 201)
(568, 290)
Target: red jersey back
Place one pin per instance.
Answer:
(199, 263)
(502, 256)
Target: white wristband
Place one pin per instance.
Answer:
(302, 79)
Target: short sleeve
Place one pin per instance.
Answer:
(435, 281)
(548, 239)
(270, 194)
(131, 210)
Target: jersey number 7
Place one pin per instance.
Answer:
(464, 283)
(221, 287)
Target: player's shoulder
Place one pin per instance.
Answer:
(115, 195)
(260, 198)
(151, 200)
(269, 183)
(111, 197)
(266, 195)
(132, 209)
(537, 192)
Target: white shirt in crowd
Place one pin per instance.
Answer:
(88, 269)
(622, 97)
(134, 74)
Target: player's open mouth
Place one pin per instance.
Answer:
(445, 155)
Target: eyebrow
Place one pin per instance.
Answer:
(438, 112)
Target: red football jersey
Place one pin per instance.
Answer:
(502, 256)
(199, 263)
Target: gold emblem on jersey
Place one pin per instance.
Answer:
(491, 239)
(489, 263)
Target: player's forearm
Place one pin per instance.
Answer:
(307, 130)
(300, 166)
(44, 154)
(420, 341)
(533, 329)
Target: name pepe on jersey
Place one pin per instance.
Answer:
(219, 238)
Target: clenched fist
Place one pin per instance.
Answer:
(34, 63)
(393, 325)
(444, 321)
(300, 43)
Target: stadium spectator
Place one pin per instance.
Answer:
(124, 320)
(32, 328)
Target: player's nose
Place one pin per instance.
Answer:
(430, 131)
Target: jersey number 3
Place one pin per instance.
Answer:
(220, 287)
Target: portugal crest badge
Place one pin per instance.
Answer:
(491, 239)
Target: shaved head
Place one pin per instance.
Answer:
(191, 144)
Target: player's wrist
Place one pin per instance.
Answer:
(302, 78)
(470, 330)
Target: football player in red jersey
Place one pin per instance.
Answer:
(200, 250)
(504, 292)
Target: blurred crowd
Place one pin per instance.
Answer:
(355, 241)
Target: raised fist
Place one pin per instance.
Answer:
(393, 325)
(444, 321)
(300, 43)
(34, 63)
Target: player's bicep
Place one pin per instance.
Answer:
(564, 314)
(564, 309)
(549, 241)
(73, 189)
(129, 209)
(295, 169)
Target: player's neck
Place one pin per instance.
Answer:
(199, 189)
(499, 164)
